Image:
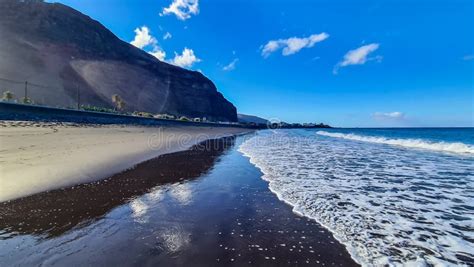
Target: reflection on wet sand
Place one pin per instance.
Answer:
(159, 214)
(53, 213)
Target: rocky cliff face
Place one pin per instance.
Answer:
(57, 46)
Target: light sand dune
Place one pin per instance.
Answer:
(36, 157)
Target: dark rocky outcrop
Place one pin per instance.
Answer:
(243, 118)
(57, 46)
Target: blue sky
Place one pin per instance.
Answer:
(346, 63)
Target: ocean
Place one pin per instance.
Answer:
(391, 196)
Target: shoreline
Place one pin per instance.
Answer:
(350, 249)
(39, 156)
(207, 206)
(295, 209)
(379, 196)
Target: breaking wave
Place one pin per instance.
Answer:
(410, 143)
(388, 206)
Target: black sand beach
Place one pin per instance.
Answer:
(203, 207)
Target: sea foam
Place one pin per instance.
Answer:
(410, 143)
(387, 205)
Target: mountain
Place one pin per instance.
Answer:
(65, 55)
(251, 119)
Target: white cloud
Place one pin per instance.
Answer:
(167, 36)
(183, 9)
(186, 59)
(158, 53)
(270, 47)
(143, 38)
(396, 115)
(468, 57)
(292, 45)
(358, 56)
(231, 65)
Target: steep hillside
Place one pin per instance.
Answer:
(57, 46)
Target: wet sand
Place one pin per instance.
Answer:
(40, 156)
(206, 206)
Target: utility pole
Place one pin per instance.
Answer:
(26, 91)
(78, 98)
